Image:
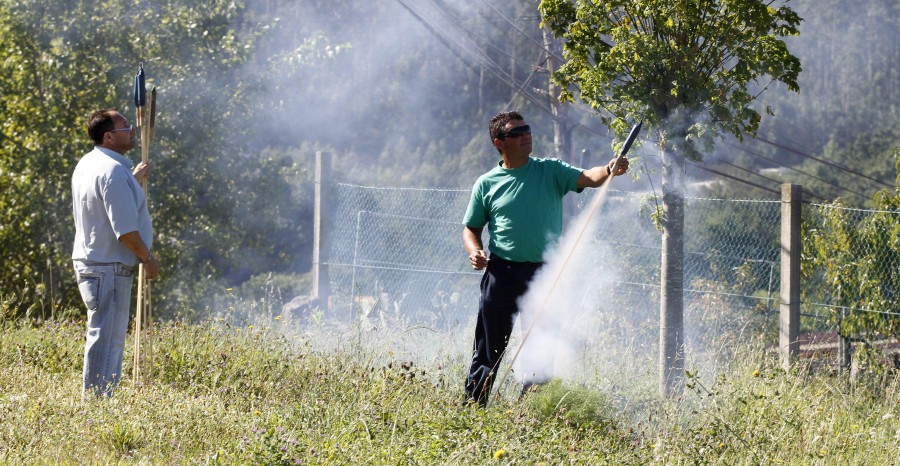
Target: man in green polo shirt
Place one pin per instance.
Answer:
(520, 200)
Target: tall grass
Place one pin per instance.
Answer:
(230, 390)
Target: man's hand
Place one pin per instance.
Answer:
(142, 171)
(132, 240)
(478, 259)
(472, 241)
(623, 166)
(595, 177)
(151, 268)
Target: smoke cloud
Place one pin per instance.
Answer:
(566, 295)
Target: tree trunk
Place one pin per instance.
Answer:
(562, 130)
(671, 302)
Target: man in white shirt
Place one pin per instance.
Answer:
(113, 233)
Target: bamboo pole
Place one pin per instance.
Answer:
(138, 327)
(139, 314)
(143, 323)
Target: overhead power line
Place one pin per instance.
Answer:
(452, 39)
(765, 177)
(748, 171)
(794, 142)
(841, 188)
(820, 160)
(517, 28)
(740, 180)
(450, 31)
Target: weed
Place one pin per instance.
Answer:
(572, 406)
(120, 438)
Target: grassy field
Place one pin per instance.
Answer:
(272, 391)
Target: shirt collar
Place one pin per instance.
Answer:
(500, 164)
(116, 156)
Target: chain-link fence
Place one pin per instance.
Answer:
(731, 254)
(400, 251)
(851, 274)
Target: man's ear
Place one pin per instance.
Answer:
(497, 144)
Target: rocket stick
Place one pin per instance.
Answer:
(140, 105)
(598, 201)
(147, 301)
(152, 111)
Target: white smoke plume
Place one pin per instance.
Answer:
(566, 294)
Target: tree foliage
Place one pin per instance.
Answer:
(220, 207)
(48, 82)
(695, 60)
(247, 94)
(857, 261)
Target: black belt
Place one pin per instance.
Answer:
(503, 261)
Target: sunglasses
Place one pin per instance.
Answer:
(127, 128)
(516, 132)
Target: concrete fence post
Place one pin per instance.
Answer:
(789, 322)
(322, 226)
(585, 161)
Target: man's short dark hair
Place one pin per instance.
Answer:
(100, 123)
(499, 122)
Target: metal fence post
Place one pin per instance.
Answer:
(789, 325)
(322, 226)
(845, 348)
(585, 161)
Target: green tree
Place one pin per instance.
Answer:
(691, 68)
(48, 83)
(223, 209)
(857, 261)
(856, 256)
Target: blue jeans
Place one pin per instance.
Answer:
(106, 291)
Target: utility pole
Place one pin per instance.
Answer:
(512, 69)
(480, 89)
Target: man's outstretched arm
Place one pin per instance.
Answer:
(594, 177)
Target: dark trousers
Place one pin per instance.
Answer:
(502, 284)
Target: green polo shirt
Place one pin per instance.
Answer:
(522, 207)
